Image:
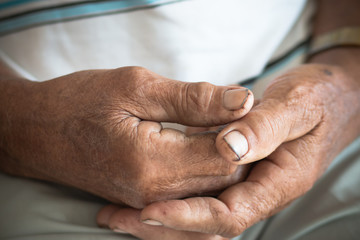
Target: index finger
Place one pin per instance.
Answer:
(175, 166)
(127, 220)
(271, 185)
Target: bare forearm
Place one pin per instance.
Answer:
(15, 100)
(331, 15)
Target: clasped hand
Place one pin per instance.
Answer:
(305, 118)
(100, 131)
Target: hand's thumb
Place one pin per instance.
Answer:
(193, 104)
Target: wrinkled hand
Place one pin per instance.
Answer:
(306, 117)
(99, 131)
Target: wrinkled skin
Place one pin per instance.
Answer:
(305, 118)
(99, 131)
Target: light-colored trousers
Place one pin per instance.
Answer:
(36, 210)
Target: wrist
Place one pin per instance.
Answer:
(15, 111)
(345, 62)
(346, 58)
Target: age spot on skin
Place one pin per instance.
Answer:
(327, 72)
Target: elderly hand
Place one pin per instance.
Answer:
(99, 131)
(306, 117)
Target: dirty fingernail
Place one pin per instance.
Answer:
(238, 143)
(235, 98)
(152, 222)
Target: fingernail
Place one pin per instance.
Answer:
(152, 222)
(238, 143)
(235, 98)
(118, 230)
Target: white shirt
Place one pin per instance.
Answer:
(222, 42)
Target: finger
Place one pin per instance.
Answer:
(272, 122)
(176, 166)
(153, 97)
(195, 155)
(127, 220)
(271, 185)
(200, 214)
(104, 215)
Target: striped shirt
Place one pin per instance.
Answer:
(222, 42)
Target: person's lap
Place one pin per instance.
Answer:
(31, 209)
(330, 210)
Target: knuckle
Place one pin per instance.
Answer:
(217, 215)
(230, 169)
(227, 225)
(223, 228)
(264, 128)
(258, 207)
(262, 204)
(237, 228)
(232, 228)
(299, 91)
(275, 195)
(271, 124)
(304, 99)
(133, 75)
(200, 95)
(136, 70)
(304, 169)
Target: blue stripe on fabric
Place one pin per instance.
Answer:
(282, 64)
(278, 66)
(14, 3)
(53, 15)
